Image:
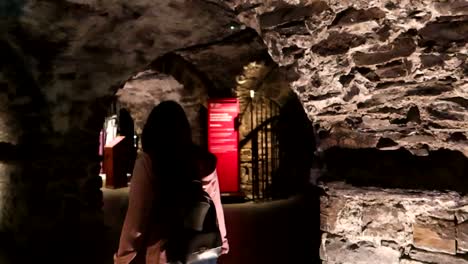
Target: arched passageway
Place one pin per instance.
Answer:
(256, 219)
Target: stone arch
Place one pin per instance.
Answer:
(195, 83)
(185, 73)
(147, 89)
(292, 127)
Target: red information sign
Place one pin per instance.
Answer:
(223, 141)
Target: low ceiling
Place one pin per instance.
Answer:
(223, 61)
(375, 73)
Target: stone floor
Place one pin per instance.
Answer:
(285, 231)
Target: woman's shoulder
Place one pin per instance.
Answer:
(144, 159)
(206, 160)
(143, 156)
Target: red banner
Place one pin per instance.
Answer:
(223, 141)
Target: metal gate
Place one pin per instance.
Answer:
(259, 147)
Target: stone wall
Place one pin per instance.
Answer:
(390, 226)
(373, 69)
(381, 77)
(393, 207)
(438, 170)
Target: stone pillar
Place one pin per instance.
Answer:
(374, 225)
(49, 167)
(54, 206)
(51, 199)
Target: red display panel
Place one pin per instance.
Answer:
(223, 141)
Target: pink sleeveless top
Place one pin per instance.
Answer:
(140, 240)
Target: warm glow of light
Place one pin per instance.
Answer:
(241, 80)
(249, 83)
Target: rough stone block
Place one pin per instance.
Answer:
(390, 219)
(431, 257)
(438, 236)
(352, 15)
(287, 14)
(462, 213)
(394, 70)
(401, 47)
(452, 7)
(338, 250)
(384, 222)
(446, 111)
(338, 43)
(429, 89)
(445, 32)
(462, 237)
(409, 261)
(430, 60)
(330, 208)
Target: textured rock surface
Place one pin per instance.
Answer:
(437, 170)
(391, 226)
(148, 89)
(435, 235)
(222, 62)
(462, 236)
(341, 251)
(374, 69)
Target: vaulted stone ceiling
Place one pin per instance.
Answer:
(222, 62)
(370, 73)
(78, 51)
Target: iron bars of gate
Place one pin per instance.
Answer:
(259, 147)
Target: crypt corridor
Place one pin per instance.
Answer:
(372, 96)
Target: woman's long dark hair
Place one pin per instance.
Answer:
(167, 127)
(167, 138)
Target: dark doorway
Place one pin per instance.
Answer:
(297, 150)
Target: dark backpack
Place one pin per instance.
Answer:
(196, 229)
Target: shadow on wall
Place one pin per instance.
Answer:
(440, 170)
(280, 232)
(297, 147)
(203, 120)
